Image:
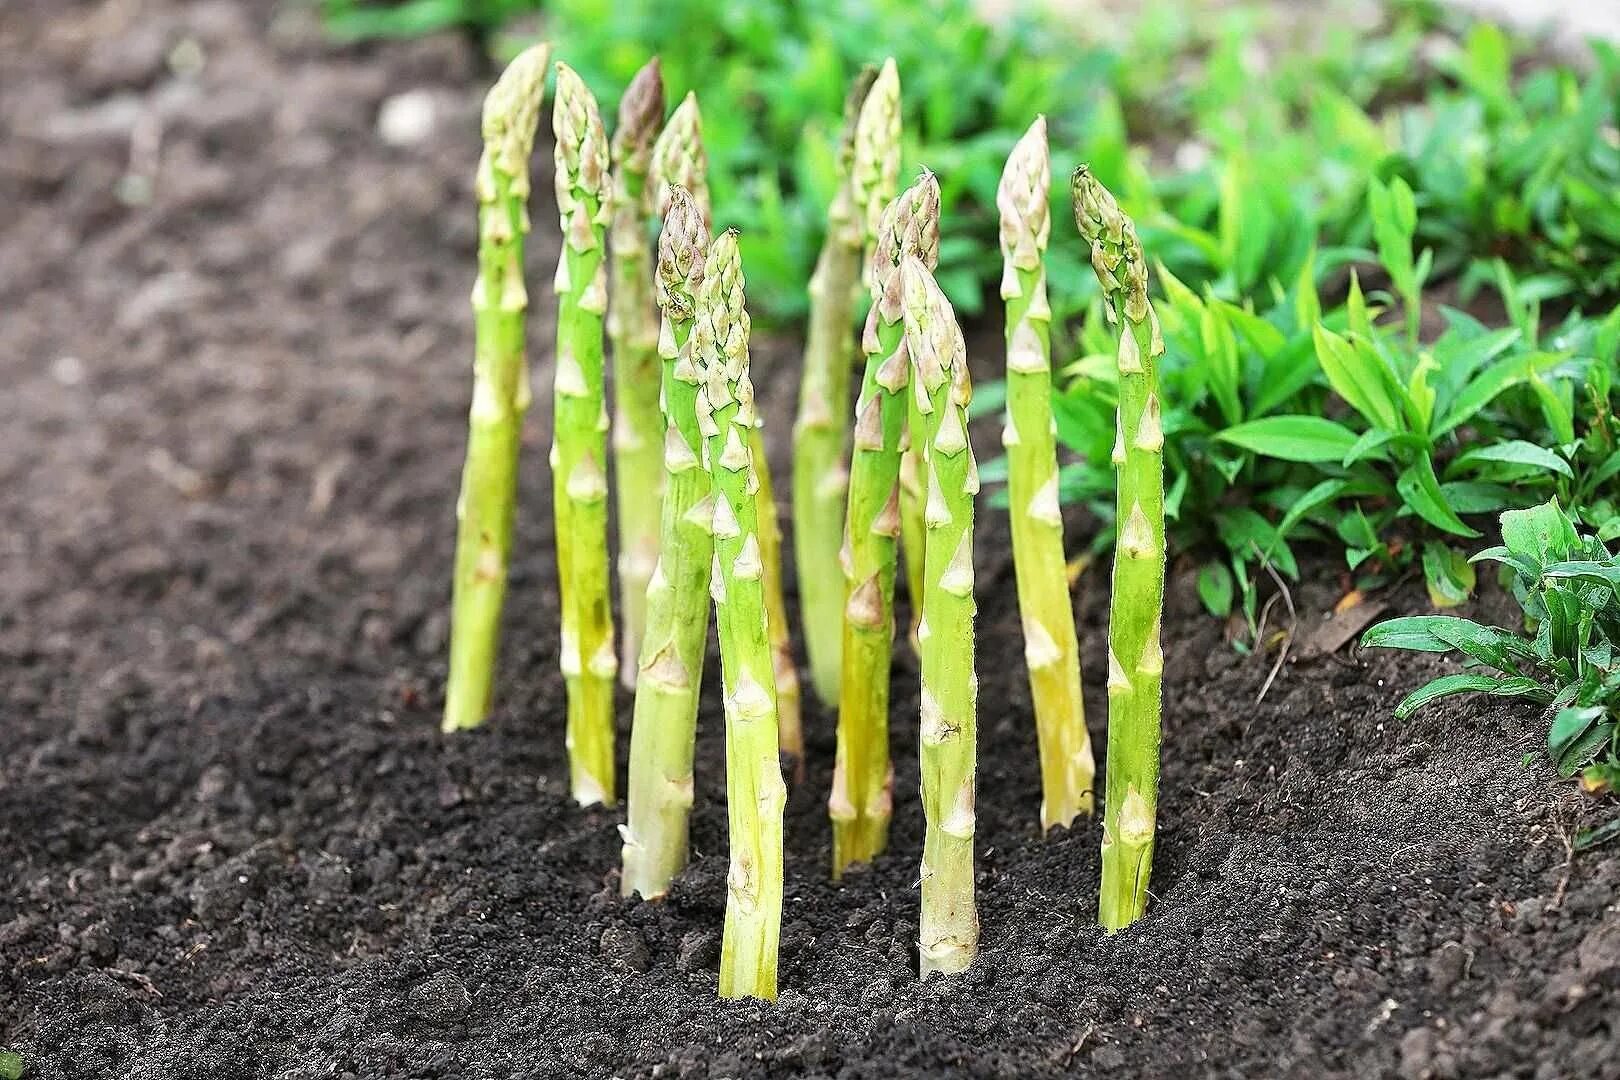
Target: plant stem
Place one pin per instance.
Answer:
(579, 449)
(821, 429)
(949, 931)
(755, 794)
(789, 726)
(913, 533)
(632, 326)
(679, 160)
(501, 392)
(1135, 662)
(863, 779)
(1051, 646)
(670, 670)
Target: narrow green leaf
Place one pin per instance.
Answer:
(1293, 438)
(1513, 452)
(1466, 682)
(1420, 489)
(1215, 588)
(1362, 383)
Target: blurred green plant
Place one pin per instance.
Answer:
(355, 20)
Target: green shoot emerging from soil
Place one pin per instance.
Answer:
(579, 449)
(670, 670)
(949, 935)
(755, 794)
(501, 392)
(821, 431)
(863, 779)
(632, 326)
(1135, 663)
(1051, 646)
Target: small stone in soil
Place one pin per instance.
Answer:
(623, 946)
(442, 999)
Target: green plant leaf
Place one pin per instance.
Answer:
(1448, 574)
(1215, 588)
(1539, 534)
(1293, 438)
(1577, 733)
(1357, 377)
(1465, 683)
(1420, 489)
(1512, 452)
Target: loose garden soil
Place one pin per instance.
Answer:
(234, 345)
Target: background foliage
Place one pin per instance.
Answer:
(1357, 229)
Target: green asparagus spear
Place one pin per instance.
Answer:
(949, 934)
(863, 779)
(755, 793)
(632, 327)
(670, 670)
(679, 160)
(1135, 664)
(1051, 649)
(579, 447)
(789, 727)
(500, 389)
(821, 430)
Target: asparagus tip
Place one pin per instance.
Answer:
(1023, 198)
(678, 157)
(512, 109)
(641, 112)
(682, 250)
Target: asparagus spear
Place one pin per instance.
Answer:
(862, 776)
(500, 389)
(579, 447)
(755, 793)
(874, 173)
(821, 430)
(790, 730)
(1051, 649)
(632, 326)
(1135, 664)
(670, 670)
(949, 933)
(679, 160)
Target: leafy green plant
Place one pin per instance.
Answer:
(358, 19)
(1569, 588)
(1522, 168)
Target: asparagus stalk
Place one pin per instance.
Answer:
(579, 447)
(501, 391)
(863, 779)
(913, 533)
(670, 670)
(821, 429)
(949, 934)
(1051, 648)
(755, 794)
(679, 160)
(1135, 663)
(790, 729)
(632, 326)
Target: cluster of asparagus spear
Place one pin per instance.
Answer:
(696, 516)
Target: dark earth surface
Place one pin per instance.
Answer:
(234, 347)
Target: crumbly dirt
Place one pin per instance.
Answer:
(234, 346)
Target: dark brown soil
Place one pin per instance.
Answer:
(234, 347)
